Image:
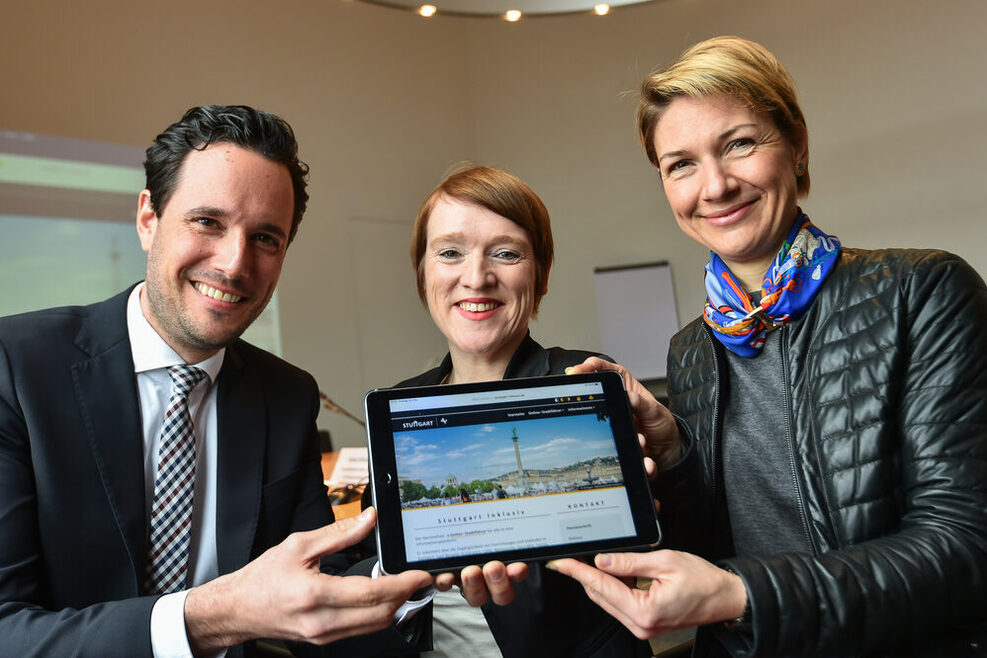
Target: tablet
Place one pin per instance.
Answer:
(515, 470)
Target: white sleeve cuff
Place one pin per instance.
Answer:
(409, 608)
(168, 636)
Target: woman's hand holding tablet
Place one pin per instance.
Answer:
(494, 581)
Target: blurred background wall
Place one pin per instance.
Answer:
(384, 102)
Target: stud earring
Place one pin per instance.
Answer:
(799, 168)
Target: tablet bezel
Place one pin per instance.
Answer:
(387, 498)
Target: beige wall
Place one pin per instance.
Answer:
(383, 102)
(890, 90)
(378, 101)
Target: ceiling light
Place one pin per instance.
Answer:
(499, 8)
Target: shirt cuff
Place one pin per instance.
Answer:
(411, 607)
(168, 636)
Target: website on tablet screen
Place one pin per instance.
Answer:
(505, 470)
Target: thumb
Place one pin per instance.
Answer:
(623, 565)
(591, 364)
(336, 536)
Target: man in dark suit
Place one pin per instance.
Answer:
(83, 396)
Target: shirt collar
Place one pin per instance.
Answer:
(150, 351)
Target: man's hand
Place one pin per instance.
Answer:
(662, 443)
(685, 591)
(283, 595)
(494, 582)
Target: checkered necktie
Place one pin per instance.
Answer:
(171, 514)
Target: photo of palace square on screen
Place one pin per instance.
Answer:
(473, 463)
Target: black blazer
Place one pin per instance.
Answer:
(73, 520)
(551, 614)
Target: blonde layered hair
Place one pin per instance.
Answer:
(729, 66)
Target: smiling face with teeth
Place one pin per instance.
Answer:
(479, 279)
(214, 253)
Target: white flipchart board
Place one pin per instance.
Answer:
(636, 310)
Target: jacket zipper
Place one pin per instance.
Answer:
(714, 452)
(789, 435)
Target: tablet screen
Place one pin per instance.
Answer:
(508, 471)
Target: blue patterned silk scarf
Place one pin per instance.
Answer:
(789, 286)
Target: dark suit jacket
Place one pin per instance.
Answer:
(73, 520)
(551, 614)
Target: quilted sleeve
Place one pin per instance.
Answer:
(921, 583)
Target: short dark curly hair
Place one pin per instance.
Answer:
(243, 126)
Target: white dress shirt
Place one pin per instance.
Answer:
(152, 357)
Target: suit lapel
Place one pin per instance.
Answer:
(242, 428)
(106, 392)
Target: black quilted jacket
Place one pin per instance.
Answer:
(887, 420)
